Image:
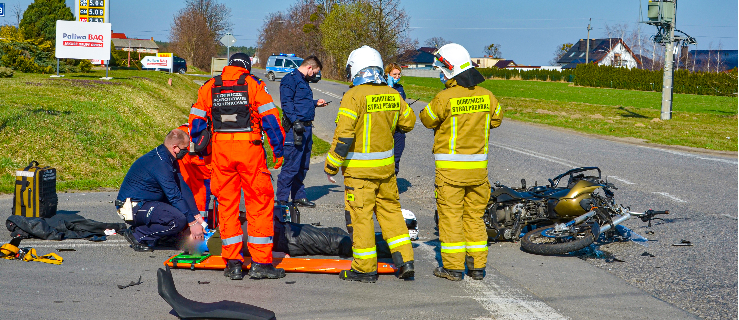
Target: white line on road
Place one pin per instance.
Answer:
(684, 154)
(503, 302)
(674, 198)
(619, 179)
(542, 156)
(330, 94)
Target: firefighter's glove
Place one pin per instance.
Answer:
(278, 162)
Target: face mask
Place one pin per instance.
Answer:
(442, 78)
(391, 81)
(181, 154)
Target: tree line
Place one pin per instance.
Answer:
(331, 29)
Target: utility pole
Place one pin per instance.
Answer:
(662, 15)
(587, 44)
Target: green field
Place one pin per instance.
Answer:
(708, 122)
(91, 130)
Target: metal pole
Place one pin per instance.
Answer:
(587, 50)
(57, 67)
(107, 64)
(228, 52)
(666, 113)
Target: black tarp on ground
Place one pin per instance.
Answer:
(58, 227)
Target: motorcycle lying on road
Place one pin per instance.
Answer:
(573, 215)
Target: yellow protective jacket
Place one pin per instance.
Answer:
(462, 118)
(363, 141)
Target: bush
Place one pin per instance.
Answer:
(85, 66)
(536, 74)
(702, 83)
(6, 72)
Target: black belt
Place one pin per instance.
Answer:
(306, 123)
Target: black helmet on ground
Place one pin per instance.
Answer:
(240, 60)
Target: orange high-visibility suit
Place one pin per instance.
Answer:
(239, 108)
(195, 170)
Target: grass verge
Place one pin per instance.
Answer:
(91, 130)
(708, 122)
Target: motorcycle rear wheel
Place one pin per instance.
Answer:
(544, 242)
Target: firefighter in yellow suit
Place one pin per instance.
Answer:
(363, 148)
(461, 116)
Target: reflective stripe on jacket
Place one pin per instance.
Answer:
(363, 141)
(462, 118)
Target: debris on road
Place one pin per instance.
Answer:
(130, 284)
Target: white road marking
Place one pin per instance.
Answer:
(730, 217)
(619, 179)
(685, 154)
(674, 198)
(542, 156)
(330, 94)
(503, 303)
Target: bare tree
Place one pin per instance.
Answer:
(436, 42)
(196, 29)
(17, 13)
(493, 50)
(560, 52)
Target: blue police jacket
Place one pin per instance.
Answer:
(156, 177)
(296, 98)
(400, 89)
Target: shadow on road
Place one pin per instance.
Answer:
(316, 192)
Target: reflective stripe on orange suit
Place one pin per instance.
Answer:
(195, 171)
(238, 164)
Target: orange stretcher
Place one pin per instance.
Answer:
(307, 265)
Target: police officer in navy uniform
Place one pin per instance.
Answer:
(163, 204)
(392, 73)
(299, 110)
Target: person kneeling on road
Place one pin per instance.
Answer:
(155, 200)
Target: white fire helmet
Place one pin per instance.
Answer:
(411, 223)
(452, 59)
(362, 58)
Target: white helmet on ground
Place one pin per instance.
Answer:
(360, 59)
(452, 59)
(411, 223)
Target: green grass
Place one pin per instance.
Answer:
(91, 130)
(708, 122)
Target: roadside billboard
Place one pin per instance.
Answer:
(80, 40)
(157, 63)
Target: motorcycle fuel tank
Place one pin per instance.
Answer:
(569, 205)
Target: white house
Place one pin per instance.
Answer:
(604, 52)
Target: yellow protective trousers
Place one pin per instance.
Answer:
(363, 197)
(461, 228)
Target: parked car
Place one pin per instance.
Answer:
(278, 65)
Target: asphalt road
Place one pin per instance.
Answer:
(677, 283)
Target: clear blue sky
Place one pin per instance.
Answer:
(528, 31)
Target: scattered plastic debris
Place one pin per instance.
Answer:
(130, 284)
(683, 243)
(289, 282)
(647, 254)
(592, 252)
(316, 224)
(109, 232)
(203, 282)
(65, 249)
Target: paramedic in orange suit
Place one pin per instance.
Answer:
(238, 108)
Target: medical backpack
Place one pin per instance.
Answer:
(35, 192)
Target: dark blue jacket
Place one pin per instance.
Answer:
(296, 98)
(156, 177)
(400, 89)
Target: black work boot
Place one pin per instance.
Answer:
(405, 269)
(352, 275)
(441, 272)
(303, 202)
(233, 270)
(476, 274)
(265, 271)
(135, 244)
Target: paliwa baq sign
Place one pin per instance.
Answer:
(82, 40)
